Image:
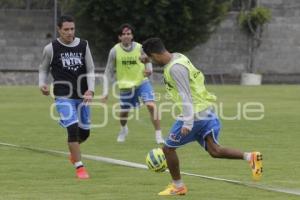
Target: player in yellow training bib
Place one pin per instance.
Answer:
(132, 80)
(198, 122)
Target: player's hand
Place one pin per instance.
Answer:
(104, 99)
(147, 73)
(88, 96)
(185, 130)
(144, 58)
(45, 90)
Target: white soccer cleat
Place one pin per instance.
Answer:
(122, 135)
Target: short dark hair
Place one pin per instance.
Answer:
(64, 18)
(153, 45)
(126, 25)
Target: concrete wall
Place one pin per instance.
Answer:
(280, 50)
(227, 49)
(225, 52)
(23, 34)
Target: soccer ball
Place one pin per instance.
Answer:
(156, 160)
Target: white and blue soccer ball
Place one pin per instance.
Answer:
(156, 160)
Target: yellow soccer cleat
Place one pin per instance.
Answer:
(172, 190)
(256, 165)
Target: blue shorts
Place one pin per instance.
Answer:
(73, 111)
(131, 99)
(200, 130)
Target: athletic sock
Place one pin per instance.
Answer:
(158, 133)
(247, 156)
(178, 183)
(124, 128)
(78, 164)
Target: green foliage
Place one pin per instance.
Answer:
(252, 22)
(181, 24)
(257, 17)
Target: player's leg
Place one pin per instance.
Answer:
(151, 106)
(155, 119)
(175, 140)
(254, 158)
(67, 110)
(217, 151)
(83, 135)
(75, 154)
(124, 129)
(173, 162)
(73, 143)
(126, 98)
(177, 186)
(208, 133)
(145, 91)
(209, 140)
(84, 122)
(123, 117)
(75, 157)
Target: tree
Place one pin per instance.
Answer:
(181, 24)
(252, 19)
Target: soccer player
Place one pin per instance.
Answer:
(131, 76)
(70, 62)
(185, 84)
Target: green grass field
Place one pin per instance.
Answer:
(25, 174)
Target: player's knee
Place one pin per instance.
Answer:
(214, 151)
(150, 104)
(73, 133)
(83, 134)
(124, 114)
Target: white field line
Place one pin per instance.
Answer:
(141, 166)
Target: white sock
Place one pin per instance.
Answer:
(247, 156)
(178, 183)
(124, 128)
(158, 133)
(78, 164)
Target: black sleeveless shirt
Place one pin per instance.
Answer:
(67, 69)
